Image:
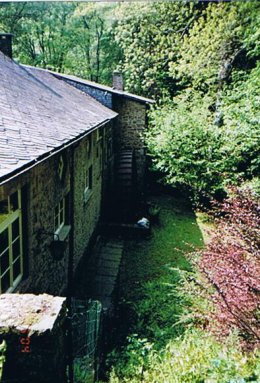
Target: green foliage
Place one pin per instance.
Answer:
(66, 37)
(207, 136)
(135, 357)
(2, 357)
(185, 145)
(94, 53)
(193, 152)
(205, 62)
(194, 358)
(241, 115)
(150, 36)
(83, 369)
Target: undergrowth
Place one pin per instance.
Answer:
(163, 337)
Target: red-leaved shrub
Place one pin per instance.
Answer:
(231, 264)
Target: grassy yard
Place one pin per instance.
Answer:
(150, 342)
(147, 304)
(177, 232)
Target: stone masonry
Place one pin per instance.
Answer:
(33, 329)
(130, 123)
(42, 189)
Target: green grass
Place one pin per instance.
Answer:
(176, 233)
(148, 303)
(154, 344)
(194, 358)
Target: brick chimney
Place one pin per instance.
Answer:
(118, 82)
(6, 44)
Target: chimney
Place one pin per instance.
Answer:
(118, 82)
(6, 44)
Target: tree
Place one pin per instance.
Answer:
(150, 35)
(207, 135)
(185, 146)
(66, 37)
(94, 54)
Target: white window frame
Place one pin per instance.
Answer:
(6, 224)
(61, 217)
(88, 183)
(99, 134)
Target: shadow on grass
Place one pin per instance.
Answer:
(146, 301)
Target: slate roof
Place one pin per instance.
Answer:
(39, 114)
(105, 88)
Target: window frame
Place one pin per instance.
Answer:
(61, 232)
(61, 209)
(99, 134)
(88, 190)
(7, 224)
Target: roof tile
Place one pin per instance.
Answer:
(40, 113)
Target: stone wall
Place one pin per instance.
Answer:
(130, 124)
(42, 189)
(33, 328)
(102, 96)
(87, 208)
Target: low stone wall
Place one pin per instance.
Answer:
(33, 329)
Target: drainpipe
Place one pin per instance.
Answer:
(70, 268)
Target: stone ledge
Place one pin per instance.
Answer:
(37, 313)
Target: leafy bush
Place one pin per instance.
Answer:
(205, 135)
(231, 265)
(195, 154)
(2, 357)
(84, 371)
(195, 358)
(185, 146)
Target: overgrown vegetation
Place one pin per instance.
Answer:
(66, 37)
(230, 265)
(200, 62)
(2, 357)
(194, 358)
(205, 135)
(194, 324)
(204, 129)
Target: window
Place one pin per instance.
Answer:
(89, 146)
(99, 134)
(61, 214)
(109, 148)
(11, 255)
(88, 183)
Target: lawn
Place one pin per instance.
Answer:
(147, 304)
(151, 340)
(146, 260)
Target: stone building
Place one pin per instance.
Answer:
(60, 137)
